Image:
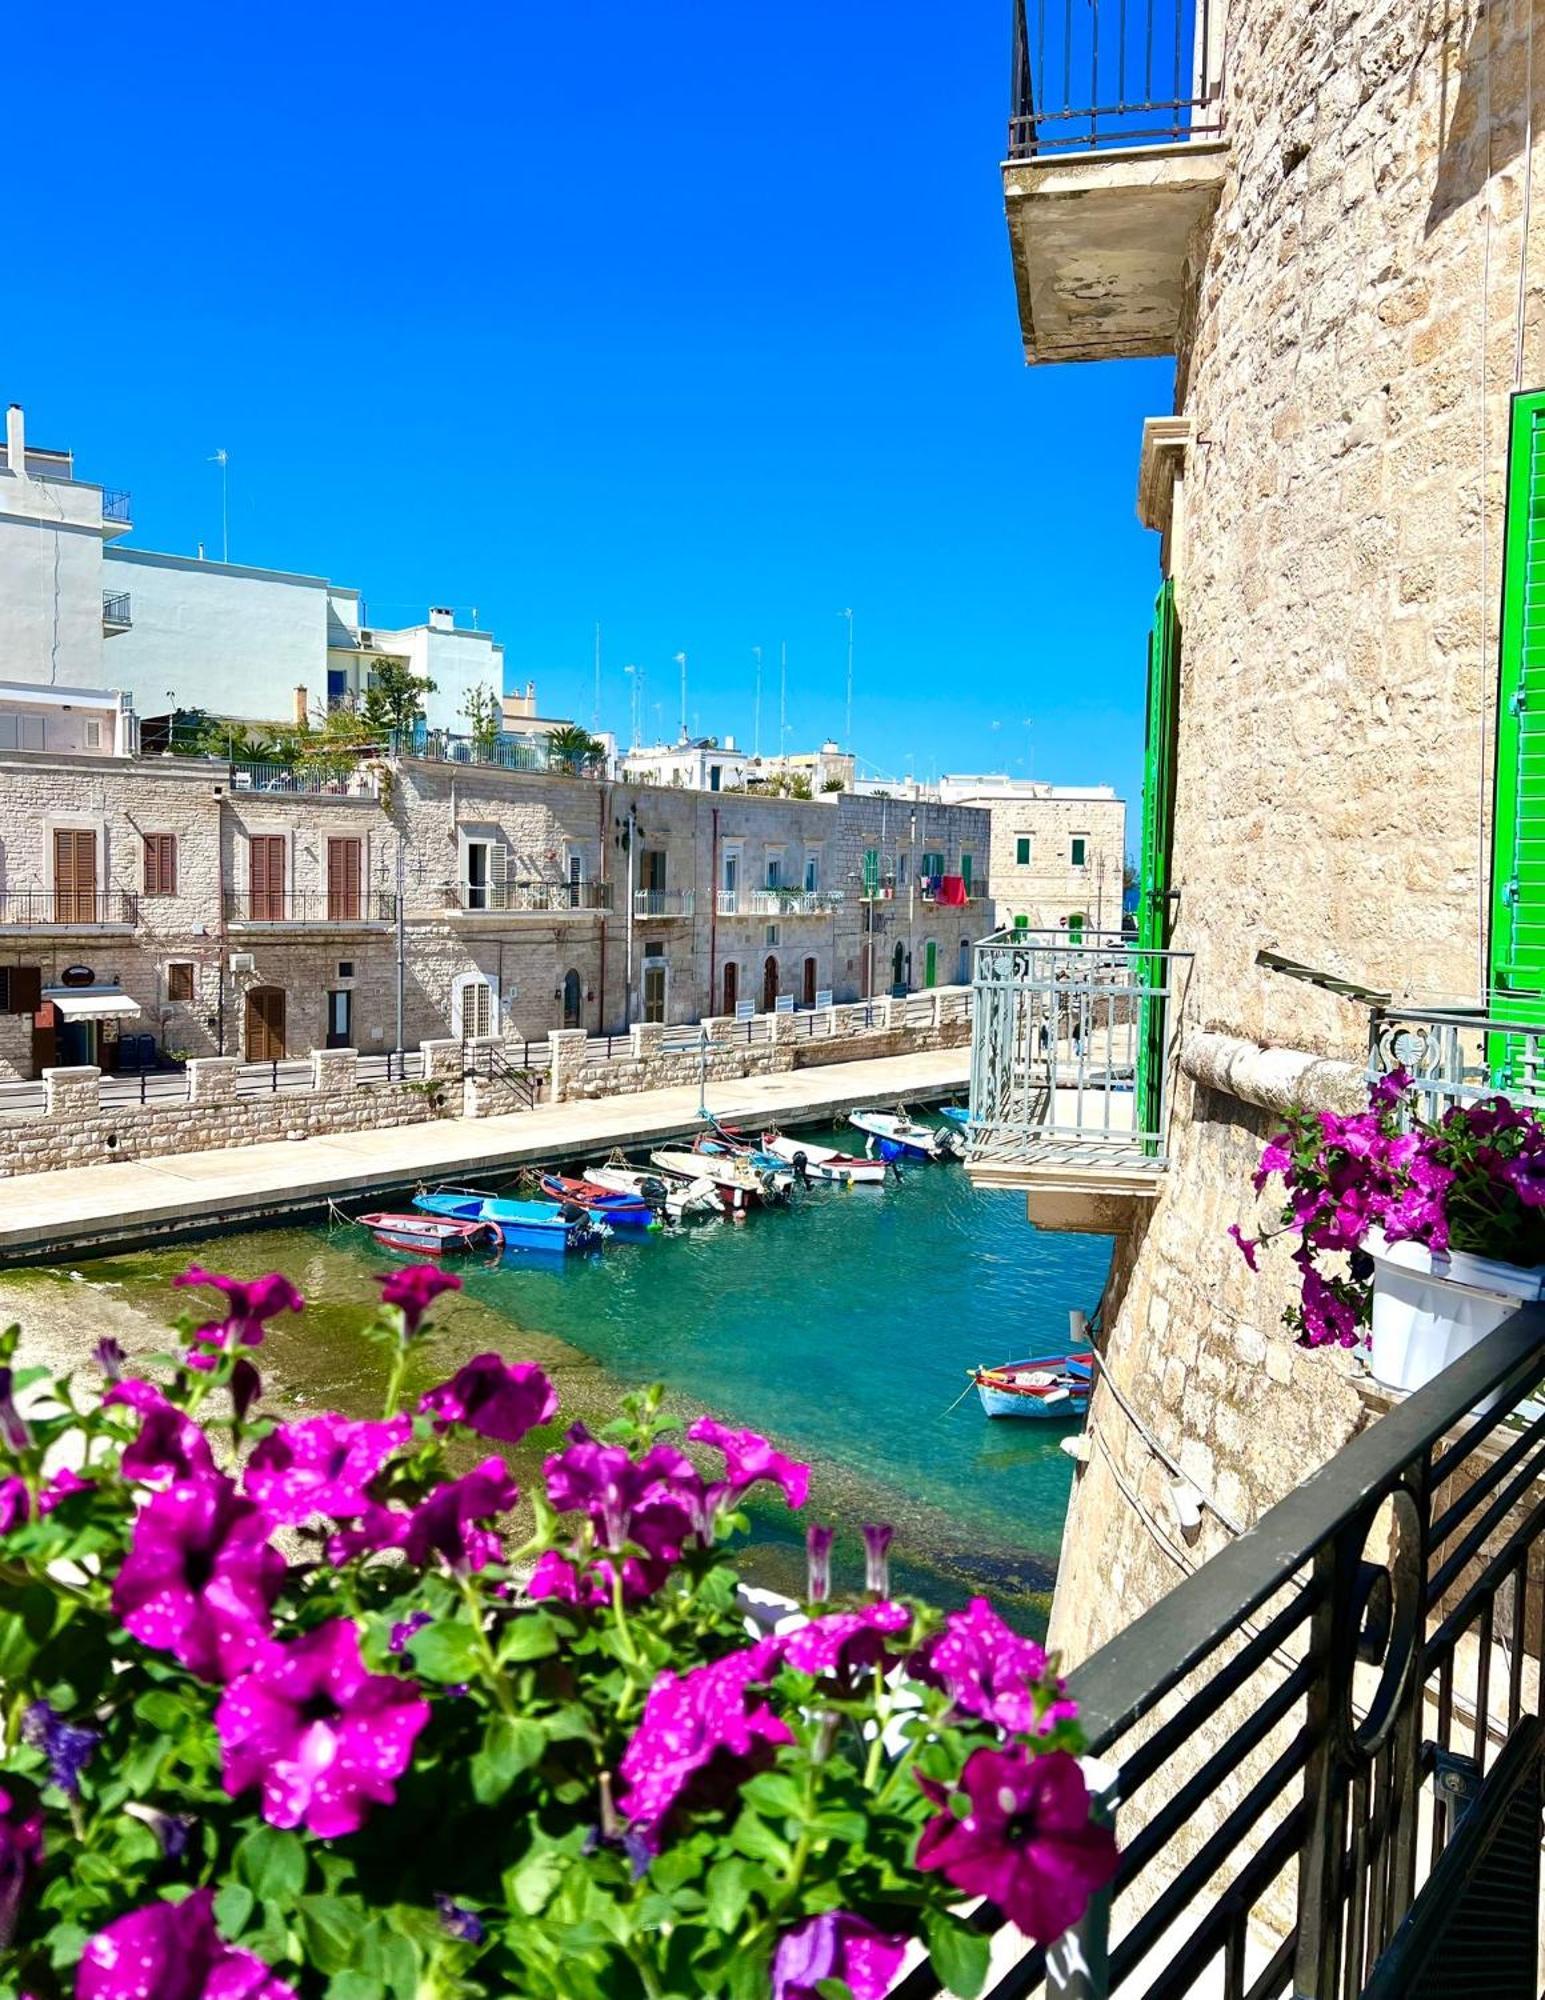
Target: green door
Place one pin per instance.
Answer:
(1153, 908)
(931, 963)
(1517, 946)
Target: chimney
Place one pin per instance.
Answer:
(441, 619)
(531, 695)
(16, 440)
(729, 743)
(300, 708)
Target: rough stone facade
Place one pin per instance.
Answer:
(1353, 322)
(1035, 873)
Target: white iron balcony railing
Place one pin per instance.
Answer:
(537, 898)
(778, 902)
(1457, 1055)
(1072, 1053)
(663, 902)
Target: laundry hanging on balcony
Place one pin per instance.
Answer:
(952, 891)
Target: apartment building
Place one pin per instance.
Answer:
(1058, 854)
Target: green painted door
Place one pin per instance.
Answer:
(931, 963)
(1517, 945)
(1153, 908)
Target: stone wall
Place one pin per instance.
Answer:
(1048, 888)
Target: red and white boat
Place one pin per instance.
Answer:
(825, 1163)
(430, 1235)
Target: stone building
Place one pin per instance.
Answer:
(1340, 249)
(1058, 855)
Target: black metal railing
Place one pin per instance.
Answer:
(23, 908)
(115, 505)
(1294, 1736)
(1089, 74)
(310, 906)
(115, 610)
(490, 1063)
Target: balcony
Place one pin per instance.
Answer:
(117, 514)
(778, 903)
(68, 910)
(651, 904)
(340, 777)
(1115, 158)
(973, 891)
(309, 909)
(1322, 1750)
(1072, 1058)
(115, 613)
(545, 899)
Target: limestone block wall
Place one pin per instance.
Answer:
(1048, 889)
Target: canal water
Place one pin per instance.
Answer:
(842, 1326)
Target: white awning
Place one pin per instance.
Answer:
(91, 1003)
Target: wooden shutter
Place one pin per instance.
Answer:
(265, 855)
(75, 875)
(498, 875)
(1517, 953)
(25, 994)
(871, 872)
(343, 873)
(160, 864)
(1153, 909)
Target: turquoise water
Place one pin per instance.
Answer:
(842, 1326)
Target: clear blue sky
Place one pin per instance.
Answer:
(696, 320)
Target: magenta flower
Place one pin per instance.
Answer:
(557, 1576)
(836, 1945)
(1026, 1841)
(15, 1504)
(323, 1738)
(700, 1737)
(377, 1529)
(14, 1431)
(172, 1951)
(21, 1856)
(846, 1642)
(1247, 1245)
(61, 1487)
(493, 1399)
(656, 1497)
(444, 1524)
(818, 1560)
(1276, 1159)
(749, 1458)
(170, 1446)
(413, 1290)
(987, 1669)
(1387, 1092)
(200, 1577)
(249, 1305)
(878, 1536)
(321, 1466)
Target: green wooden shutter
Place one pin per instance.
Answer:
(1153, 908)
(871, 873)
(1518, 827)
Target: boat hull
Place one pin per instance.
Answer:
(896, 1139)
(739, 1188)
(522, 1225)
(825, 1163)
(618, 1211)
(424, 1236)
(1045, 1389)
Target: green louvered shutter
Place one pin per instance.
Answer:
(1518, 823)
(1158, 830)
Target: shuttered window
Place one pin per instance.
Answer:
(1153, 909)
(1518, 826)
(179, 981)
(343, 873)
(21, 989)
(75, 876)
(266, 858)
(160, 864)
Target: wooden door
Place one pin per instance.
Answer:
(809, 995)
(931, 963)
(75, 875)
(769, 985)
(572, 998)
(265, 1023)
(731, 988)
(343, 872)
(265, 853)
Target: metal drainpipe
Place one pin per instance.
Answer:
(402, 937)
(605, 822)
(713, 912)
(627, 998)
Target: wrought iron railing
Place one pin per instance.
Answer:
(116, 610)
(540, 898)
(1091, 74)
(347, 778)
(1336, 1711)
(115, 505)
(22, 908)
(789, 902)
(1072, 1051)
(310, 906)
(663, 902)
(503, 753)
(1457, 1055)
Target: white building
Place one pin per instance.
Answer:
(1058, 851)
(67, 721)
(698, 764)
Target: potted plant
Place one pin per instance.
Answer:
(288, 1718)
(1415, 1235)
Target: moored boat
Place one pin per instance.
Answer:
(1051, 1387)
(608, 1205)
(677, 1200)
(957, 1114)
(895, 1136)
(523, 1225)
(825, 1163)
(740, 1185)
(733, 1146)
(429, 1236)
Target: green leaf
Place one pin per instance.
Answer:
(529, 1637)
(957, 1954)
(755, 1837)
(234, 1904)
(447, 1652)
(851, 1828)
(332, 1929)
(163, 1710)
(729, 1888)
(354, 1986)
(509, 1747)
(531, 1882)
(272, 1864)
(834, 1989)
(774, 1792)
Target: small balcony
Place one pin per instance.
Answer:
(116, 613)
(1115, 156)
(68, 910)
(1073, 1052)
(763, 904)
(309, 909)
(948, 891)
(1457, 1055)
(117, 513)
(651, 905)
(541, 899)
(340, 777)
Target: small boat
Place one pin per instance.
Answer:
(740, 1185)
(430, 1236)
(895, 1136)
(677, 1200)
(1052, 1387)
(618, 1210)
(957, 1114)
(825, 1163)
(726, 1146)
(522, 1225)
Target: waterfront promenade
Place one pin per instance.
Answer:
(47, 1215)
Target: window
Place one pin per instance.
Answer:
(1021, 922)
(775, 868)
(871, 872)
(160, 864)
(75, 876)
(21, 989)
(474, 1008)
(344, 868)
(715, 772)
(1022, 851)
(812, 872)
(967, 863)
(266, 872)
(337, 693)
(21, 732)
(93, 735)
(1517, 895)
(1078, 850)
(1076, 927)
(345, 968)
(1153, 909)
(179, 982)
(652, 870)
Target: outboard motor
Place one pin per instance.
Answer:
(653, 1191)
(801, 1166)
(946, 1146)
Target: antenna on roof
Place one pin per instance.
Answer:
(848, 738)
(595, 713)
(222, 458)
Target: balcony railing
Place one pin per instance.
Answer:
(1072, 1052)
(975, 890)
(1322, 1749)
(115, 506)
(115, 611)
(778, 902)
(1457, 1055)
(505, 753)
(538, 898)
(345, 779)
(78, 909)
(663, 902)
(310, 906)
(1092, 74)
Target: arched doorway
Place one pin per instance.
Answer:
(963, 975)
(899, 970)
(810, 979)
(265, 1024)
(931, 963)
(770, 984)
(573, 999)
(731, 999)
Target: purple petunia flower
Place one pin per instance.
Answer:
(21, 1856)
(170, 1446)
(1388, 1090)
(836, 1945)
(878, 1536)
(15, 1504)
(63, 1486)
(749, 1458)
(459, 1922)
(403, 1631)
(1026, 1841)
(1247, 1245)
(1276, 1159)
(109, 1356)
(558, 1577)
(323, 1738)
(321, 1466)
(494, 1399)
(172, 1951)
(377, 1529)
(200, 1577)
(444, 1524)
(14, 1432)
(818, 1558)
(249, 1305)
(845, 1643)
(699, 1736)
(66, 1746)
(413, 1290)
(657, 1497)
(987, 1668)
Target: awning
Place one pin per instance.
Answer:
(90, 1003)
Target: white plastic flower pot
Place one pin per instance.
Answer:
(1429, 1307)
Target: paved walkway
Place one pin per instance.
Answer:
(81, 1208)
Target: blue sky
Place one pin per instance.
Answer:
(697, 321)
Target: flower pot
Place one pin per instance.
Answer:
(1429, 1307)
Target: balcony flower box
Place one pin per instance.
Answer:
(1431, 1306)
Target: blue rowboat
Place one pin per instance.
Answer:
(617, 1211)
(1051, 1387)
(524, 1225)
(894, 1136)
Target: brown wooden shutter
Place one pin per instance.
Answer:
(343, 873)
(160, 864)
(26, 989)
(266, 857)
(75, 875)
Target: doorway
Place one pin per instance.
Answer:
(899, 970)
(931, 963)
(770, 985)
(654, 989)
(340, 1018)
(731, 988)
(265, 1024)
(75, 1042)
(730, 901)
(573, 996)
(809, 985)
(963, 971)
